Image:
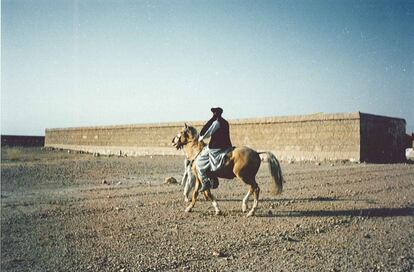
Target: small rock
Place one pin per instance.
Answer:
(170, 180)
(289, 238)
(218, 254)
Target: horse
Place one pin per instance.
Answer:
(241, 162)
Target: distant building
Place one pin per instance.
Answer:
(18, 140)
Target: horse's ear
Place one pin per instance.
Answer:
(185, 126)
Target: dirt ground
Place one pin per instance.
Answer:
(58, 214)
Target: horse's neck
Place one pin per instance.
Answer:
(194, 148)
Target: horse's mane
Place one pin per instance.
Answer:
(193, 131)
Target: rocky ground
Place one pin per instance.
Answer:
(64, 211)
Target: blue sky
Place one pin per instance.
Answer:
(81, 63)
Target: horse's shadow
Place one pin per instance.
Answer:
(369, 212)
(372, 212)
(315, 199)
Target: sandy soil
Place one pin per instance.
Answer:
(57, 215)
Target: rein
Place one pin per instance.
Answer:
(191, 161)
(195, 157)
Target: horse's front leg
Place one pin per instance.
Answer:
(184, 179)
(189, 184)
(209, 196)
(194, 198)
(187, 189)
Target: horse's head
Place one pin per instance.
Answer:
(188, 134)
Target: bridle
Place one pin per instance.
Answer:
(179, 145)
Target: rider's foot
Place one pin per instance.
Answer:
(214, 183)
(206, 185)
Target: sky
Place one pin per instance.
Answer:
(91, 63)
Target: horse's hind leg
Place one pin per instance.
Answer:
(256, 190)
(209, 196)
(245, 200)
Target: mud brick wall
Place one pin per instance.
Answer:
(306, 137)
(119, 140)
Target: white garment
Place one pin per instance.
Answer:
(210, 158)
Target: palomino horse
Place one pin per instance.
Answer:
(242, 162)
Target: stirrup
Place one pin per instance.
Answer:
(214, 183)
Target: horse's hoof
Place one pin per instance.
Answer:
(187, 199)
(244, 208)
(188, 209)
(218, 212)
(250, 214)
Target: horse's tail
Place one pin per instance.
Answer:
(276, 172)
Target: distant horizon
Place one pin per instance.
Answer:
(74, 63)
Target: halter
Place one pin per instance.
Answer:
(187, 142)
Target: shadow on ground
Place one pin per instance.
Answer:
(374, 212)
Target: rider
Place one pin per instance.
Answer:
(212, 156)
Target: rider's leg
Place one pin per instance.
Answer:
(213, 179)
(203, 165)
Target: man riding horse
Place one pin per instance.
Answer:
(224, 160)
(212, 156)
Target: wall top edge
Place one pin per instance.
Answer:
(376, 116)
(25, 136)
(262, 120)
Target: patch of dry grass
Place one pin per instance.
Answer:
(14, 153)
